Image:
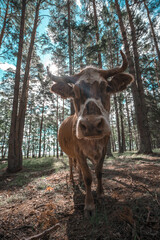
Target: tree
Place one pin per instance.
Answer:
(17, 126)
(4, 23)
(97, 32)
(13, 163)
(153, 31)
(137, 91)
(147, 148)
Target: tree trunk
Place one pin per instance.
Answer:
(24, 96)
(57, 116)
(4, 24)
(109, 152)
(13, 163)
(54, 145)
(69, 39)
(70, 48)
(157, 75)
(33, 148)
(135, 132)
(29, 134)
(123, 145)
(97, 33)
(145, 144)
(62, 121)
(117, 124)
(113, 140)
(129, 125)
(40, 132)
(20, 119)
(3, 150)
(147, 147)
(44, 144)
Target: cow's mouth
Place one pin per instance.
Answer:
(95, 137)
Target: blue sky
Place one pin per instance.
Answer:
(42, 28)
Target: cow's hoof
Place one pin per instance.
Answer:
(89, 213)
(100, 198)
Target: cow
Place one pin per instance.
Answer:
(85, 134)
(73, 163)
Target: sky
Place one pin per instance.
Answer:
(42, 28)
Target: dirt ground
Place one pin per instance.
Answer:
(51, 206)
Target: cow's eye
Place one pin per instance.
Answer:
(109, 89)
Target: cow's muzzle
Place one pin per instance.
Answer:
(93, 127)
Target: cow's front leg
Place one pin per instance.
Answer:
(98, 171)
(89, 201)
(71, 169)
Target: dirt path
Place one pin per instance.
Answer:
(130, 209)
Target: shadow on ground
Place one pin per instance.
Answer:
(129, 210)
(120, 216)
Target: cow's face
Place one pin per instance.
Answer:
(92, 105)
(90, 91)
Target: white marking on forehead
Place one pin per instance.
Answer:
(90, 75)
(104, 113)
(99, 105)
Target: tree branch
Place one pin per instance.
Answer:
(44, 232)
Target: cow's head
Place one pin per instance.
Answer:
(90, 91)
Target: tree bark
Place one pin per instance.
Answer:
(157, 75)
(13, 164)
(16, 156)
(70, 48)
(129, 125)
(146, 132)
(29, 134)
(142, 124)
(33, 147)
(4, 24)
(4, 142)
(57, 116)
(40, 132)
(117, 124)
(97, 32)
(123, 146)
(109, 152)
(69, 38)
(113, 141)
(44, 143)
(24, 95)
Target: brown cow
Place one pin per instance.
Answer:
(73, 163)
(85, 134)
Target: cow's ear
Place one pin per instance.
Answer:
(63, 89)
(119, 82)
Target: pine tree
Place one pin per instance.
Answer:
(18, 114)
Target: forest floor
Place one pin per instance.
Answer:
(41, 200)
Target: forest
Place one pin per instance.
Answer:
(67, 36)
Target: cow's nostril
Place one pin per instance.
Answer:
(100, 124)
(83, 127)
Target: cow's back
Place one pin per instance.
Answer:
(65, 136)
